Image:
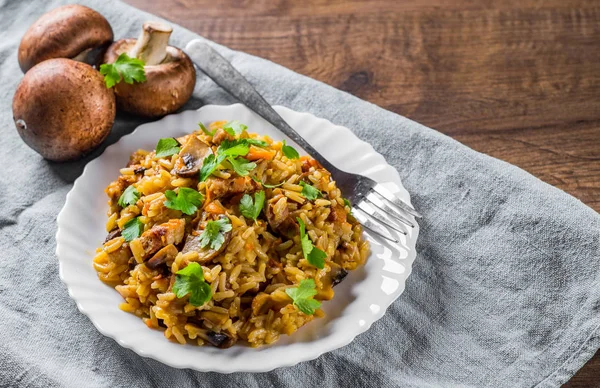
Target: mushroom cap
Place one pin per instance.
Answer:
(167, 87)
(62, 109)
(64, 32)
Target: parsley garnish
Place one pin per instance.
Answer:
(132, 229)
(187, 200)
(213, 234)
(190, 280)
(129, 197)
(233, 148)
(289, 151)
(346, 202)
(251, 209)
(206, 131)
(167, 147)
(125, 68)
(241, 166)
(314, 255)
(266, 185)
(302, 296)
(234, 128)
(310, 192)
(210, 164)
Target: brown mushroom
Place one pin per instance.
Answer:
(72, 31)
(206, 254)
(191, 157)
(62, 109)
(170, 74)
(279, 219)
(162, 256)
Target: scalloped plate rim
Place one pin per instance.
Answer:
(326, 344)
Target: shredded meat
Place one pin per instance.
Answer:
(232, 186)
(158, 236)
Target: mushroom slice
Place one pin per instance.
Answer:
(161, 257)
(279, 217)
(191, 156)
(158, 236)
(71, 31)
(206, 254)
(220, 340)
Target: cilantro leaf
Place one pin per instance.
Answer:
(213, 233)
(254, 142)
(210, 164)
(132, 229)
(266, 185)
(310, 192)
(314, 255)
(190, 280)
(251, 209)
(234, 128)
(233, 148)
(289, 151)
(346, 202)
(206, 131)
(241, 166)
(129, 197)
(187, 200)
(167, 147)
(302, 296)
(125, 69)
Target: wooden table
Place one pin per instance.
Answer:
(515, 79)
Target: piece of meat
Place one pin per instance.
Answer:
(191, 157)
(221, 135)
(337, 215)
(206, 254)
(161, 257)
(279, 217)
(158, 236)
(220, 188)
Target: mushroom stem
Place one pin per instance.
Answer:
(151, 46)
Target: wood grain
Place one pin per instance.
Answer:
(515, 79)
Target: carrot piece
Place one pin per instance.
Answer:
(215, 207)
(256, 153)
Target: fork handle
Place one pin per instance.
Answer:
(226, 76)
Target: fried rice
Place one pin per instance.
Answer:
(258, 260)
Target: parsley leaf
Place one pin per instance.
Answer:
(251, 209)
(132, 229)
(129, 197)
(254, 142)
(187, 200)
(266, 185)
(190, 280)
(241, 166)
(125, 68)
(210, 164)
(314, 255)
(213, 233)
(167, 147)
(206, 131)
(233, 148)
(302, 296)
(346, 202)
(310, 192)
(234, 128)
(289, 151)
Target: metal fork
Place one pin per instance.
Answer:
(375, 207)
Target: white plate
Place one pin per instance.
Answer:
(359, 300)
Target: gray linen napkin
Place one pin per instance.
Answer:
(504, 291)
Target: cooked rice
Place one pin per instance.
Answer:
(249, 277)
